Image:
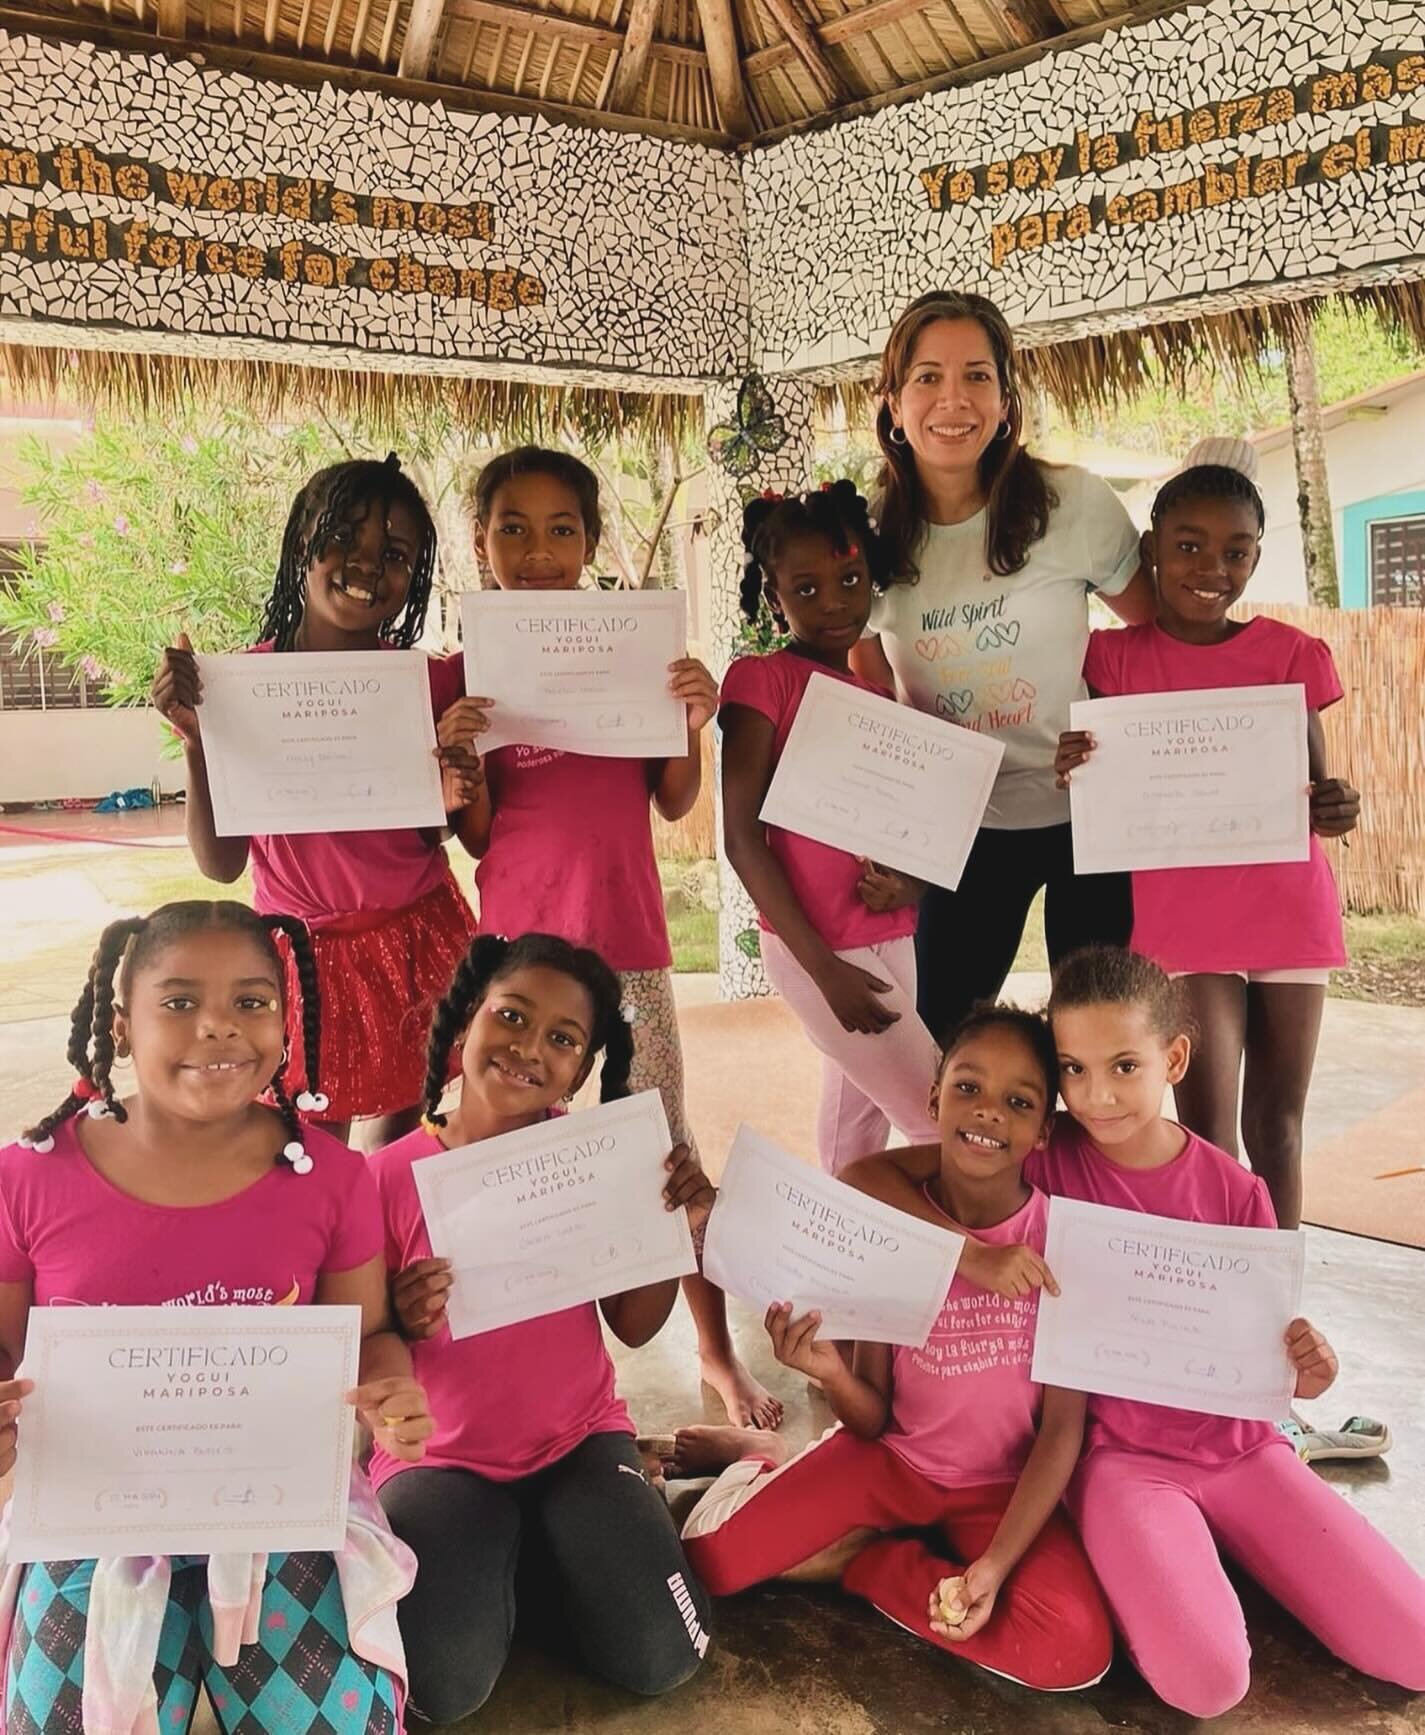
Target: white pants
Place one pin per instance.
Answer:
(869, 1084)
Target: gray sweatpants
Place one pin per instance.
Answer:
(634, 1611)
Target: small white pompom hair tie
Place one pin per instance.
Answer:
(295, 1153)
(313, 1102)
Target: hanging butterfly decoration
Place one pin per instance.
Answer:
(740, 448)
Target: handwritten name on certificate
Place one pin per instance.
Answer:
(583, 670)
(864, 774)
(1192, 1315)
(782, 1231)
(319, 741)
(1216, 778)
(203, 1430)
(554, 1215)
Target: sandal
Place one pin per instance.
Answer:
(1357, 1437)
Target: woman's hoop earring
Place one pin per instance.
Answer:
(897, 436)
(1003, 431)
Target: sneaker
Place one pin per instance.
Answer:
(1357, 1437)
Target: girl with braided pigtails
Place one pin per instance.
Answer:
(533, 1442)
(192, 1191)
(837, 931)
(388, 922)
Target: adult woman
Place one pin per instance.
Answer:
(987, 627)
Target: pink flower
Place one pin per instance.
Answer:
(94, 491)
(93, 668)
(178, 568)
(189, 445)
(56, 611)
(86, 540)
(45, 637)
(121, 524)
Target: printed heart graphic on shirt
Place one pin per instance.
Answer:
(999, 691)
(935, 650)
(996, 633)
(350, 1699)
(954, 704)
(1023, 689)
(275, 1622)
(220, 1702)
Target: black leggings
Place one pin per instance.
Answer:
(967, 939)
(622, 1588)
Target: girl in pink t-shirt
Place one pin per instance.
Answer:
(1161, 1491)
(837, 932)
(953, 1437)
(1255, 945)
(190, 1192)
(565, 840)
(531, 1434)
(387, 919)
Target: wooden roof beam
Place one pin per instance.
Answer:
(633, 59)
(806, 43)
(508, 15)
(173, 19)
(724, 65)
(1031, 21)
(843, 29)
(422, 30)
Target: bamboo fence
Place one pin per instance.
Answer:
(1376, 739)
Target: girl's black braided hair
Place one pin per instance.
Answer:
(1033, 1027)
(835, 510)
(341, 495)
(487, 962)
(126, 946)
(1209, 482)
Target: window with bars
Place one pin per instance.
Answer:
(31, 678)
(1397, 552)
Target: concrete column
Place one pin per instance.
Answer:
(760, 435)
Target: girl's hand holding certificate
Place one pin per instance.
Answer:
(396, 1412)
(12, 1395)
(177, 691)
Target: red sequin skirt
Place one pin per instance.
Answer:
(381, 974)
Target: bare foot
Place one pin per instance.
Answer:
(828, 1566)
(703, 1450)
(654, 1451)
(748, 1403)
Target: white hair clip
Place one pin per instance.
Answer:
(313, 1101)
(628, 1012)
(296, 1154)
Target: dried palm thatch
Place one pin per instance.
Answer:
(1101, 371)
(1376, 739)
(511, 410)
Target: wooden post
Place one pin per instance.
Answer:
(1031, 21)
(422, 28)
(720, 41)
(633, 60)
(1308, 438)
(807, 45)
(173, 19)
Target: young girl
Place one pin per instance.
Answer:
(388, 922)
(1255, 945)
(565, 840)
(838, 933)
(1161, 1490)
(953, 1437)
(189, 1192)
(532, 1436)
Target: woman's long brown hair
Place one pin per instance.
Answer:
(1018, 497)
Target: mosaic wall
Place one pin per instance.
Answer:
(177, 204)
(1219, 155)
(760, 436)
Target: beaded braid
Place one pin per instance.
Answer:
(90, 1060)
(311, 1099)
(835, 510)
(329, 502)
(618, 1058)
(472, 979)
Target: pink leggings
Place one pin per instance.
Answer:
(1153, 1526)
(868, 1083)
(1049, 1628)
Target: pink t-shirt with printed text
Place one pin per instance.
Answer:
(508, 1402)
(571, 853)
(964, 1411)
(324, 874)
(82, 1242)
(1201, 1185)
(1272, 916)
(822, 878)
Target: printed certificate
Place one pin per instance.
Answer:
(319, 741)
(1216, 778)
(864, 774)
(185, 1430)
(782, 1231)
(554, 1215)
(582, 670)
(1192, 1315)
